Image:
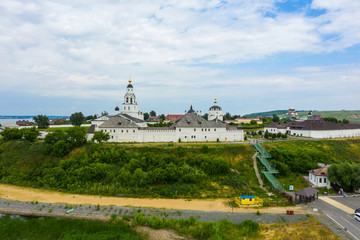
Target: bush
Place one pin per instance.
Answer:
(12, 134)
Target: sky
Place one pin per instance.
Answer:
(61, 57)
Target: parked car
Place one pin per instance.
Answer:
(357, 214)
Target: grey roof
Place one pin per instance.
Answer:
(215, 107)
(137, 120)
(314, 125)
(129, 85)
(191, 110)
(118, 121)
(92, 128)
(192, 119)
(307, 192)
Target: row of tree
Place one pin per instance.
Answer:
(347, 175)
(29, 134)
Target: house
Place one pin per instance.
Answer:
(154, 119)
(318, 177)
(173, 117)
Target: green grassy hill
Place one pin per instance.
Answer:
(352, 116)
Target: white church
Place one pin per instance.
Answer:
(129, 125)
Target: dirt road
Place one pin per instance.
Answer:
(30, 194)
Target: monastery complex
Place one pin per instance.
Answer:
(129, 125)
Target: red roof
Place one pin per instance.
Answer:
(175, 115)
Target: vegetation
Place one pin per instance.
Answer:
(30, 134)
(42, 121)
(100, 136)
(169, 171)
(266, 114)
(77, 119)
(146, 116)
(346, 174)
(293, 159)
(161, 124)
(352, 116)
(223, 229)
(55, 228)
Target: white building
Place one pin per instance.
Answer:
(318, 177)
(315, 129)
(215, 112)
(129, 126)
(292, 113)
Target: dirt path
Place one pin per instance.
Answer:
(29, 194)
(261, 183)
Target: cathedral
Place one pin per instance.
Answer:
(129, 125)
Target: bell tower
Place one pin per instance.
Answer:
(130, 106)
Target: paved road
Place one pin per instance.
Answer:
(338, 211)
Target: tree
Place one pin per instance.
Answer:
(104, 113)
(152, 113)
(12, 134)
(146, 116)
(77, 119)
(253, 122)
(76, 136)
(205, 116)
(275, 118)
(31, 134)
(60, 149)
(42, 121)
(100, 136)
(346, 174)
(266, 135)
(227, 116)
(162, 117)
(345, 121)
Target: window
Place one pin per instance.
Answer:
(128, 108)
(194, 129)
(114, 130)
(202, 129)
(105, 130)
(215, 130)
(122, 131)
(127, 131)
(209, 130)
(110, 130)
(320, 179)
(324, 180)
(133, 130)
(127, 100)
(179, 130)
(205, 136)
(112, 137)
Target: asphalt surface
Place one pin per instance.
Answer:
(345, 220)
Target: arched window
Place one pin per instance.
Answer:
(127, 100)
(131, 100)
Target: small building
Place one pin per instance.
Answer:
(173, 117)
(240, 120)
(215, 112)
(306, 195)
(154, 119)
(23, 123)
(318, 177)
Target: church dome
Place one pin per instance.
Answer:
(129, 85)
(117, 108)
(214, 108)
(191, 110)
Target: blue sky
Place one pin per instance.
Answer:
(60, 57)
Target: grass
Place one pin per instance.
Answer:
(54, 228)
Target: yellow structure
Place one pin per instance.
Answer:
(248, 200)
(243, 120)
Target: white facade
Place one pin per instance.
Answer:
(215, 112)
(315, 130)
(129, 126)
(318, 181)
(130, 106)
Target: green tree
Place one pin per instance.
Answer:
(146, 116)
(31, 134)
(76, 136)
(275, 118)
(101, 136)
(152, 113)
(42, 121)
(227, 116)
(253, 122)
(60, 149)
(77, 119)
(345, 121)
(104, 113)
(162, 117)
(346, 174)
(12, 134)
(205, 116)
(266, 135)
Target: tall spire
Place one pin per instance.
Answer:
(130, 78)
(215, 102)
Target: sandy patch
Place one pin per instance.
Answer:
(160, 234)
(29, 194)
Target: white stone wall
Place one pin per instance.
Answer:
(319, 133)
(172, 135)
(213, 114)
(319, 181)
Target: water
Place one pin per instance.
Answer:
(4, 121)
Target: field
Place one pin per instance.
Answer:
(62, 128)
